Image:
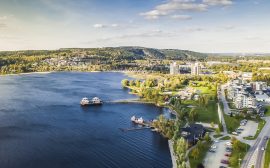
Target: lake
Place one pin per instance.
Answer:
(42, 124)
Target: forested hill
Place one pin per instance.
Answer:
(94, 59)
(141, 53)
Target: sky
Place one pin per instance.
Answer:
(223, 26)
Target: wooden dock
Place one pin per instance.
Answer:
(134, 128)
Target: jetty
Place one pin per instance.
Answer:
(134, 128)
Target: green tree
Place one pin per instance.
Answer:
(195, 153)
(125, 83)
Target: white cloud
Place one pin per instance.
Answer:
(194, 29)
(181, 17)
(153, 14)
(115, 25)
(172, 8)
(99, 26)
(218, 2)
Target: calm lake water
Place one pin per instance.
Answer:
(43, 126)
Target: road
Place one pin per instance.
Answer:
(251, 158)
(260, 153)
(221, 97)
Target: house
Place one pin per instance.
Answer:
(192, 133)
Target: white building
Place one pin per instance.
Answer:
(246, 75)
(195, 69)
(174, 68)
(259, 86)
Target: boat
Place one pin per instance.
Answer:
(133, 118)
(137, 120)
(95, 101)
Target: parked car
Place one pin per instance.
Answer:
(222, 167)
(240, 129)
(234, 133)
(227, 154)
(263, 148)
(265, 138)
(212, 150)
(228, 143)
(224, 161)
(214, 147)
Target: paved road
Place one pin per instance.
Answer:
(222, 97)
(260, 153)
(256, 148)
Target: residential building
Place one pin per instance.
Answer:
(174, 68)
(195, 69)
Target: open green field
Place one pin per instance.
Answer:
(194, 162)
(267, 156)
(206, 114)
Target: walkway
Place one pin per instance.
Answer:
(174, 165)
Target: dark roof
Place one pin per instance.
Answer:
(194, 131)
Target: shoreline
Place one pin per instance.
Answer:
(48, 72)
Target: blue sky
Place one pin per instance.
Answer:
(198, 25)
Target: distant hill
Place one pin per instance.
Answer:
(136, 53)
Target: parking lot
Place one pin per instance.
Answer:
(213, 159)
(249, 129)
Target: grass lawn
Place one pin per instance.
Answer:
(225, 138)
(267, 156)
(206, 114)
(217, 136)
(231, 122)
(260, 127)
(194, 162)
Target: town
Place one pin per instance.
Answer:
(223, 117)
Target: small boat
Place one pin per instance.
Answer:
(133, 118)
(95, 101)
(137, 120)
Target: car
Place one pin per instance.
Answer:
(216, 141)
(263, 148)
(224, 161)
(265, 138)
(228, 143)
(222, 167)
(214, 147)
(212, 150)
(229, 150)
(242, 124)
(227, 154)
(234, 133)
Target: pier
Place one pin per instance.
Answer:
(134, 128)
